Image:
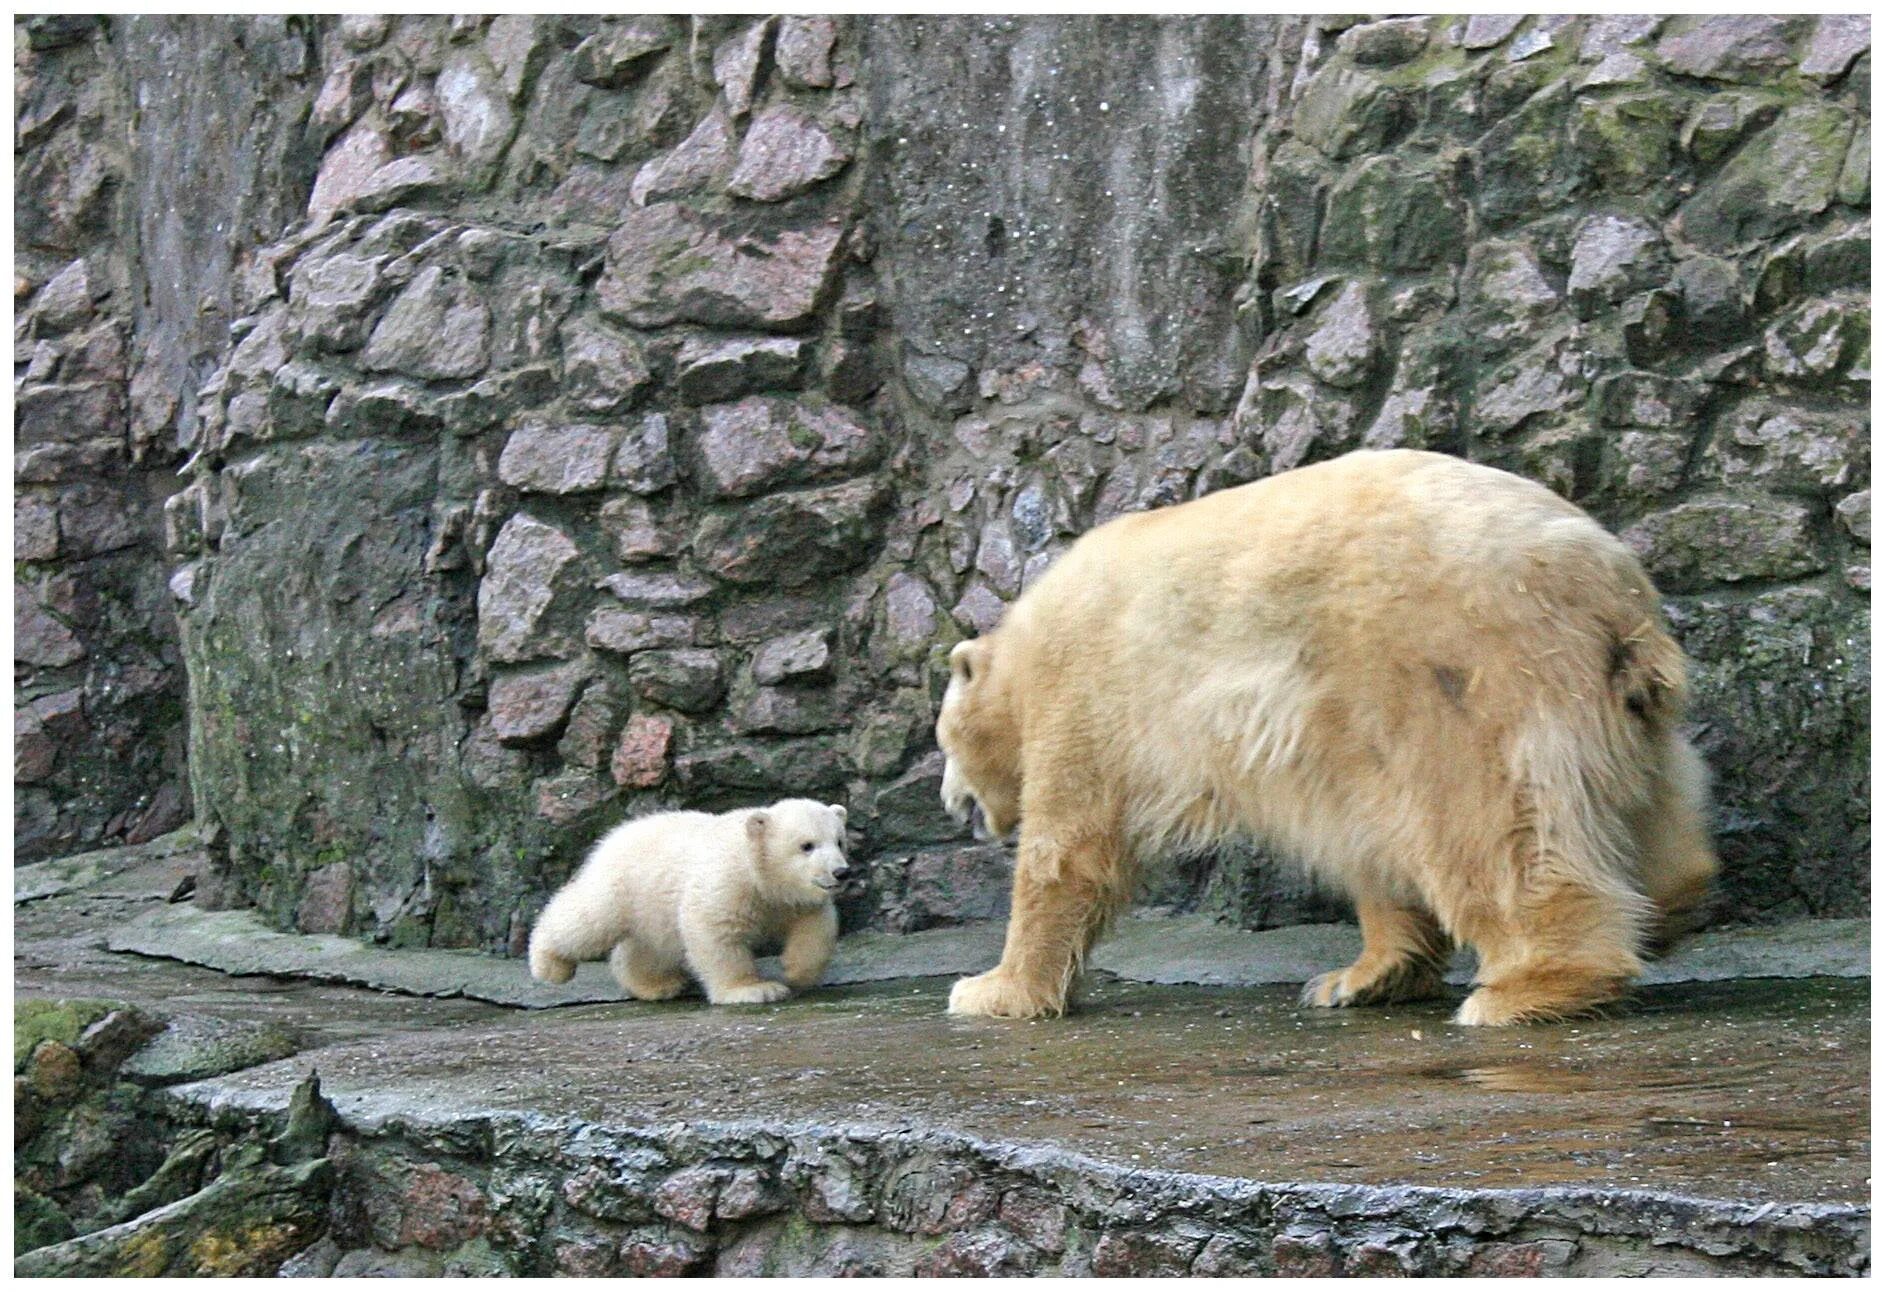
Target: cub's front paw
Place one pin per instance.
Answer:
(996, 994)
(752, 993)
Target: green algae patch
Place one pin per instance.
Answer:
(63, 1021)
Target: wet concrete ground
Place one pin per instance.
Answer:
(1749, 1090)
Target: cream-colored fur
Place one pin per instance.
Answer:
(688, 893)
(1445, 689)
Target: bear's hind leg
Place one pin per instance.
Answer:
(1064, 897)
(1403, 955)
(644, 975)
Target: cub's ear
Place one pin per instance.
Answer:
(839, 809)
(756, 826)
(969, 659)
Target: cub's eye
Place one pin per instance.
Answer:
(805, 847)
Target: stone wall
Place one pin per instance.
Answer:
(150, 156)
(98, 748)
(1629, 258)
(633, 412)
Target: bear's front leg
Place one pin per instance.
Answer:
(809, 942)
(720, 958)
(1064, 896)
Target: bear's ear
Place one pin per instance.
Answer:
(968, 659)
(756, 826)
(839, 809)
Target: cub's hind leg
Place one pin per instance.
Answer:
(1403, 955)
(644, 975)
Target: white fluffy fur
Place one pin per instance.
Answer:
(681, 894)
(1446, 690)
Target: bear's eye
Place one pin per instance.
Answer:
(805, 847)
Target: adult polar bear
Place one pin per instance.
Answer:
(1445, 689)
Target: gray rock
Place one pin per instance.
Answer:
(979, 609)
(797, 657)
(794, 538)
(711, 371)
(910, 810)
(787, 711)
(636, 531)
(1713, 541)
(476, 108)
(526, 707)
(613, 628)
(402, 180)
(522, 574)
(1508, 290)
(1855, 513)
(1535, 384)
(518, 45)
(1384, 44)
(1712, 295)
(687, 680)
(803, 50)
(613, 59)
(347, 170)
(436, 329)
(602, 369)
(938, 383)
(193, 1046)
(1646, 399)
(909, 613)
(786, 152)
(658, 591)
(1386, 215)
(326, 904)
(809, 765)
(1837, 41)
(1485, 30)
(995, 557)
(760, 444)
(1609, 33)
(545, 458)
(644, 463)
(736, 66)
(1742, 48)
(1820, 340)
(572, 796)
(1345, 112)
(1611, 255)
(1342, 349)
(702, 158)
(65, 302)
(1785, 174)
(666, 265)
(1789, 450)
(1721, 121)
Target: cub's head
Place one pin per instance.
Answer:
(981, 743)
(800, 845)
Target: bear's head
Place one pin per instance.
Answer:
(981, 742)
(799, 844)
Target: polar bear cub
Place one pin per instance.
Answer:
(679, 894)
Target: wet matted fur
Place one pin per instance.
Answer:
(1446, 690)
